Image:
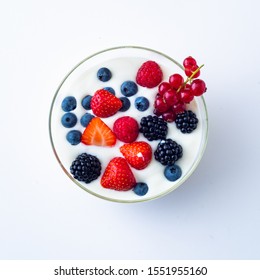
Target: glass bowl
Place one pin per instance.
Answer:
(124, 63)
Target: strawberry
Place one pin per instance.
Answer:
(137, 154)
(118, 175)
(98, 133)
(126, 129)
(149, 74)
(104, 104)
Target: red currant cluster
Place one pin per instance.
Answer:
(173, 96)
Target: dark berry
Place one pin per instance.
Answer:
(172, 172)
(110, 89)
(86, 102)
(186, 121)
(125, 104)
(85, 119)
(74, 137)
(141, 189)
(129, 88)
(168, 152)
(104, 74)
(69, 120)
(141, 103)
(153, 128)
(86, 168)
(69, 103)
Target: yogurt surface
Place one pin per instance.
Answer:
(124, 64)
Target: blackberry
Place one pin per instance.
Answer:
(153, 128)
(168, 152)
(86, 168)
(186, 121)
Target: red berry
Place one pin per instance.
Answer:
(179, 107)
(198, 87)
(149, 74)
(189, 62)
(163, 87)
(160, 105)
(169, 116)
(176, 80)
(189, 71)
(186, 95)
(104, 104)
(171, 97)
(137, 154)
(118, 175)
(126, 129)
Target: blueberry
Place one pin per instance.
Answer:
(104, 74)
(69, 120)
(172, 172)
(85, 119)
(110, 89)
(86, 102)
(73, 137)
(69, 103)
(141, 103)
(125, 104)
(140, 189)
(129, 88)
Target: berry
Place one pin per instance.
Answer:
(126, 129)
(168, 152)
(190, 71)
(141, 103)
(86, 168)
(176, 80)
(137, 154)
(129, 88)
(171, 97)
(172, 172)
(74, 137)
(85, 119)
(189, 62)
(104, 74)
(169, 116)
(104, 104)
(186, 121)
(179, 107)
(141, 189)
(198, 87)
(69, 120)
(160, 105)
(69, 103)
(118, 175)
(163, 87)
(125, 104)
(110, 89)
(153, 128)
(98, 133)
(85, 102)
(185, 95)
(149, 74)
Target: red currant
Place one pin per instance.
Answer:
(171, 97)
(186, 95)
(198, 87)
(160, 105)
(189, 62)
(189, 71)
(179, 107)
(169, 116)
(176, 80)
(163, 87)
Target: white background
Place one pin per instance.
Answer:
(214, 215)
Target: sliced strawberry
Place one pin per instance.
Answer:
(137, 154)
(98, 133)
(118, 175)
(104, 104)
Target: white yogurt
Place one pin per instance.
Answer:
(124, 66)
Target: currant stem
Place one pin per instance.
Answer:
(190, 78)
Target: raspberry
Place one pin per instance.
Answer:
(126, 129)
(149, 74)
